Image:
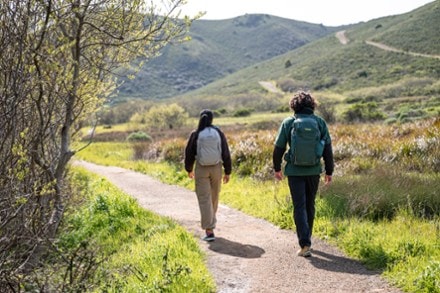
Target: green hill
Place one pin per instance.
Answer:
(217, 49)
(390, 67)
(354, 71)
(326, 63)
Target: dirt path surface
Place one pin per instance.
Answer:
(392, 49)
(270, 87)
(249, 254)
(342, 37)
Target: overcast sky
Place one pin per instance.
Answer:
(327, 12)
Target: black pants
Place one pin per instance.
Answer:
(303, 190)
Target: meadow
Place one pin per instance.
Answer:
(383, 207)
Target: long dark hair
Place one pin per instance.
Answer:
(206, 117)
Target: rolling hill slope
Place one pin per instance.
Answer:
(328, 65)
(217, 49)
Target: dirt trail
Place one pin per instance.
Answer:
(392, 49)
(270, 87)
(249, 254)
(343, 39)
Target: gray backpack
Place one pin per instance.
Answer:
(209, 150)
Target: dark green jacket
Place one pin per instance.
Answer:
(283, 140)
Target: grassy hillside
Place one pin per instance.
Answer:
(416, 31)
(356, 71)
(219, 48)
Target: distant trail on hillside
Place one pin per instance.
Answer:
(342, 37)
(392, 49)
(270, 87)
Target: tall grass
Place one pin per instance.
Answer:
(130, 249)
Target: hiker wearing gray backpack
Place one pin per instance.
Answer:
(309, 140)
(208, 148)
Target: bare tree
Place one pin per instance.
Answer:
(57, 65)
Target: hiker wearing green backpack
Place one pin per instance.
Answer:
(309, 140)
(208, 148)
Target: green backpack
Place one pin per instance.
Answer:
(306, 146)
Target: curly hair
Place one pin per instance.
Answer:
(302, 100)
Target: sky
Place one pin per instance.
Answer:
(326, 12)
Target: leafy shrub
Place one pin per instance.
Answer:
(139, 136)
(252, 155)
(407, 115)
(162, 117)
(173, 151)
(390, 120)
(363, 112)
(242, 113)
(121, 112)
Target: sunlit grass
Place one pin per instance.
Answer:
(107, 128)
(143, 252)
(107, 153)
(403, 248)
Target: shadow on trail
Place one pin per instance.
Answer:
(224, 246)
(340, 264)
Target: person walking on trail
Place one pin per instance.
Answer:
(308, 139)
(208, 148)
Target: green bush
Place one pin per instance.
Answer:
(162, 117)
(242, 113)
(139, 136)
(363, 112)
(173, 151)
(251, 155)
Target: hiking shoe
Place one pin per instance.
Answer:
(305, 252)
(209, 237)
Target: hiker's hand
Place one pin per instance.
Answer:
(328, 179)
(191, 174)
(279, 175)
(225, 179)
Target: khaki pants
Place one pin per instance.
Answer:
(208, 183)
